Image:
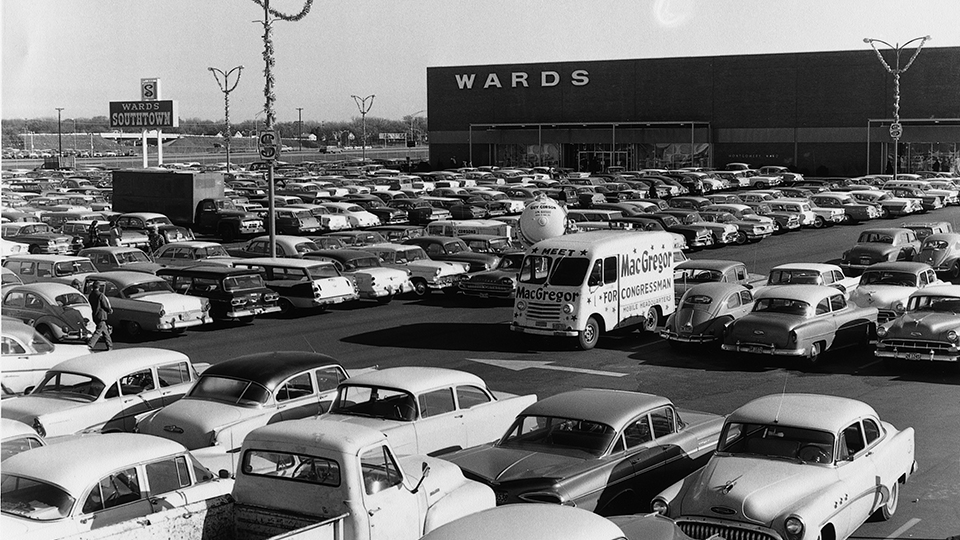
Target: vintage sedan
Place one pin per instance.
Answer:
(356, 239)
(795, 466)
(853, 210)
(99, 481)
(190, 253)
(500, 282)
(27, 355)
(942, 252)
(287, 246)
(39, 236)
(58, 312)
(609, 451)
(426, 410)
(926, 228)
(328, 220)
(425, 274)
(355, 214)
(888, 286)
(303, 283)
(445, 248)
(66, 269)
(105, 391)
(140, 223)
(17, 438)
(236, 396)
(146, 303)
(694, 272)
(928, 331)
(293, 221)
(235, 294)
(889, 205)
(801, 321)
(374, 281)
(107, 258)
(705, 311)
(812, 274)
(879, 245)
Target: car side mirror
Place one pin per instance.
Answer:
(223, 474)
(424, 472)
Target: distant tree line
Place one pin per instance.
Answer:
(332, 133)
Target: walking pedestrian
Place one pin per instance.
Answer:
(115, 233)
(93, 234)
(100, 305)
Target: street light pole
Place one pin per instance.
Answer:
(300, 127)
(59, 139)
(896, 130)
(364, 109)
(226, 88)
(412, 117)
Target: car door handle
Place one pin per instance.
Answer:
(373, 511)
(458, 416)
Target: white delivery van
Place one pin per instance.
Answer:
(584, 284)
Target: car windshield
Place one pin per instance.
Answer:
(147, 287)
(71, 299)
(783, 305)
(511, 262)
(68, 268)
(880, 277)
(132, 256)
(875, 237)
(163, 220)
(212, 251)
(410, 255)
(322, 271)
(305, 247)
(375, 402)
(933, 244)
(239, 283)
(698, 275)
(40, 343)
(776, 441)
(33, 499)
(228, 390)
(940, 304)
(362, 262)
(558, 435)
(70, 385)
(794, 277)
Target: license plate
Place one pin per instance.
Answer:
(540, 323)
(912, 356)
(754, 350)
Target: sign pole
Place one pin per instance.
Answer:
(143, 139)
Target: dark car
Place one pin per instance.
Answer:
(418, 211)
(446, 248)
(501, 282)
(399, 233)
(234, 293)
(142, 222)
(39, 236)
(352, 239)
(371, 203)
(697, 236)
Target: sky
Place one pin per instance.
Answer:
(82, 54)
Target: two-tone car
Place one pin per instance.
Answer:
(286, 245)
(140, 224)
(929, 331)
(59, 312)
(795, 467)
(853, 211)
(942, 252)
(889, 205)
(97, 482)
(103, 392)
(240, 394)
(39, 236)
(828, 215)
(500, 282)
(879, 245)
(609, 451)
(67, 269)
(106, 258)
(374, 281)
(193, 252)
(303, 283)
(800, 321)
(826, 274)
(445, 248)
(27, 355)
(705, 311)
(234, 294)
(762, 226)
(144, 302)
(888, 286)
(425, 274)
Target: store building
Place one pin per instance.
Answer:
(822, 114)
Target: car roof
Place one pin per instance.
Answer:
(813, 411)
(531, 521)
(270, 368)
(712, 264)
(340, 254)
(108, 249)
(716, 290)
(820, 267)
(888, 230)
(14, 429)
(46, 289)
(416, 379)
(812, 294)
(949, 237)
(108, 366)
(18, 329)
(314, 433)
(612, 407)
(124, 277)
(952, 291)
(143, 215)
(204, 270)
(83, 461)
(281, 262)
(44, 257)
(901, 266)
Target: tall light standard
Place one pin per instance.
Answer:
(226, 88)
(75, 149)
(364, 109)
(59, 138)
(413, 134)
(300, 127)
(896, 130)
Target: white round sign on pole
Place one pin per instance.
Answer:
(896, 130)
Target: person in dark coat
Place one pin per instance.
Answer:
(100, 305)
(93, 234)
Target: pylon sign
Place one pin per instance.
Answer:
(268, 144)
(896, 130)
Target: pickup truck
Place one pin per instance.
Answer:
(322, 480)
(693, 272)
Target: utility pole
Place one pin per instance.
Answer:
(226, 88)
(364, 109)
(59, 139)
(300, 127)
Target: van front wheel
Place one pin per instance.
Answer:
(590, 335)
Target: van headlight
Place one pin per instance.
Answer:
(952, 336)
(567, 309)
(521, 305)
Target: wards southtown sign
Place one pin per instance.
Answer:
(521, 79)
(143, 114)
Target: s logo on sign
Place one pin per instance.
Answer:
(149, 89)
(267, 145)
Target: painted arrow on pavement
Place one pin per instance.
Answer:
(518, 365)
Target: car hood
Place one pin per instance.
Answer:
(146, 267)
(493, 275)
(756, 490)
(446, 267)
(873, 249)
(881, 295)
(173, 302)
(498, 465)
(190, 422)
(933, 257)
(925, 325)
(26, 408)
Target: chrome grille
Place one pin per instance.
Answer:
(885, 315)
(916, 345)
(472, 285)
(702, 531)
(543, 311)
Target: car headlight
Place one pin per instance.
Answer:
(952, 336)
(793, 527)
(659, 506)
(881, 331)
(899, 307)
(38, 427)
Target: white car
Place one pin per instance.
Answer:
(27, 355)
(425, 273)
(329, 221)
(105, 391)
(374, 282)
(17, 438)
(354, 213)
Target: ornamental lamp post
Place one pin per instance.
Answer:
(896, 129)
(226, 88)
(364, 109)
